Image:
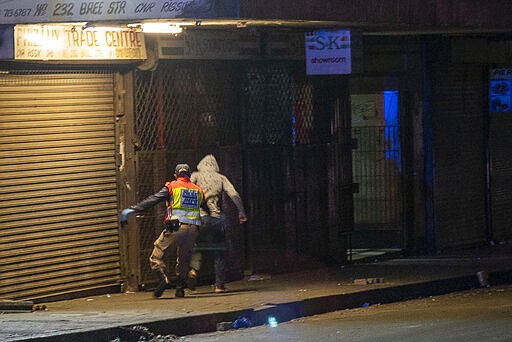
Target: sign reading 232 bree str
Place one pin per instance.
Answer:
(44, 11)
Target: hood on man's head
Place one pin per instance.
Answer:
(208, 163)
(182, 170)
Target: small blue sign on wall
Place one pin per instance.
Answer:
(500, 90)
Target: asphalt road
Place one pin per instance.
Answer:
(477, 315)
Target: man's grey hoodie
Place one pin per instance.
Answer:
(213, 184)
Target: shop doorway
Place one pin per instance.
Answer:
(377, 173)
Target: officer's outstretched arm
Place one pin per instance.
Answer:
(148, 202)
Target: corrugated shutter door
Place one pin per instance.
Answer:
(58, 203)
(501, 175)
(458, 147)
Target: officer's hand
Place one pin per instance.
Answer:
(123, 216)
(242, 218)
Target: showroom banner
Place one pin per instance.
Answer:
(328, 52)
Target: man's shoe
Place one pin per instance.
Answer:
(220, 289)
(192, 279)
(162, 285)
(180, 292)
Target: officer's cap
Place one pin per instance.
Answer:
(182, 170)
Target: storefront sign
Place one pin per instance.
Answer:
(60, 42)
(204, 44)
(44, 11)
(285, 45)
(500, 90)
(328, 52)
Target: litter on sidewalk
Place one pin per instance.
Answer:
(368, 281)
(259, 277)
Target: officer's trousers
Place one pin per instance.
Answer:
(183, 241)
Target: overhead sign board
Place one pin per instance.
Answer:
(328, 52)
(209, 44)
(67, 42)
(287, 45)
(44, 11)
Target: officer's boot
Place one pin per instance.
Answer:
(180, 288)
(163, 283)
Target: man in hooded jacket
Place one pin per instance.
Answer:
(212, 233)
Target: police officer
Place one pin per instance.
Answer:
(182, 220)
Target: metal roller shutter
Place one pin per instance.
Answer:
(58, 198)
(501, 176)
(458, 147)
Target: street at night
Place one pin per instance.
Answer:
(239, 170)
(477, 315)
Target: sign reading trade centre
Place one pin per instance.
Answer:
(328, 52)
(68, 42)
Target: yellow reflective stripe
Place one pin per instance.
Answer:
(188, 214)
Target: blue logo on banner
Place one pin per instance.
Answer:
(189, 198)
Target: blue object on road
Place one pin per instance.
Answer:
(242, 322)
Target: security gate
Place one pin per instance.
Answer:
(270, 128)
(58, 227)
(184, 110)
(377, 171)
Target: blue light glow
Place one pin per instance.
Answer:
(272, 321)
(391, 134)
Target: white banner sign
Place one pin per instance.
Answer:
(328, 52)
(60, 42)
(44, 11)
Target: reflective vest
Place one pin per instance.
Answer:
(186, 199)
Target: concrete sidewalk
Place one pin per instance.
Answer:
(284, 296)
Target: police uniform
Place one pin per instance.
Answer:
(182, 220)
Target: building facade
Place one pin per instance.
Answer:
(405, 152)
